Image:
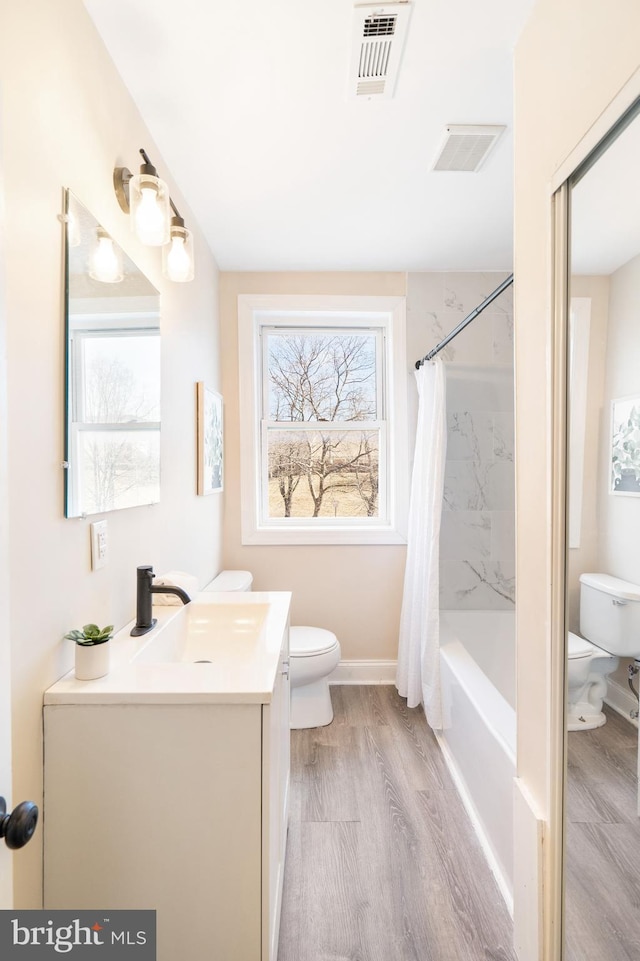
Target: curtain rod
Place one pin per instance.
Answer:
(467, 320)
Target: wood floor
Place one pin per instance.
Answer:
(602, 865)
(382, 861)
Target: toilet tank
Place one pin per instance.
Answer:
(610, 614)
(231, 581)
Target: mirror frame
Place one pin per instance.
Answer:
(554, 898)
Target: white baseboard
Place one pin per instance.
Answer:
(470, 808)
(621, 700)
(364, 672)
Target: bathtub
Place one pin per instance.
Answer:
(478, 738)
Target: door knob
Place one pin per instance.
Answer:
(18, 827)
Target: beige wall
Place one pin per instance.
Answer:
(67, 121)
(6, 856)
(355, 591)
(572, 59)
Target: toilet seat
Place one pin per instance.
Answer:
(311, 641)
(577, 647)
(588, 668)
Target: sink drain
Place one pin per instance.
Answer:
(203, 662)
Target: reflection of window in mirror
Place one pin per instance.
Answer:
(115, 424)
(113, 378)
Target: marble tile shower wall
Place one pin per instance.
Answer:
(477, 543)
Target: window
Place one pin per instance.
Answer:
(322, 420)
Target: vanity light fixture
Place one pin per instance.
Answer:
(146, 198)
(105, 259)
(177, 255)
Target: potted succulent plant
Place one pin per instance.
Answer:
(92, 650)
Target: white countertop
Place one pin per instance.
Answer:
(241, 633)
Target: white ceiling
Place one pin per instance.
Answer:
(247, 104)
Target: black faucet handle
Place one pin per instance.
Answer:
(145, 569)
(144, 620)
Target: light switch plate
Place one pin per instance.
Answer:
(99, 545)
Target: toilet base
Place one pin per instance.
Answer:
(578, 720)
(311, 705)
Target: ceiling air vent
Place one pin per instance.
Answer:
(465, 147)
(379, 34)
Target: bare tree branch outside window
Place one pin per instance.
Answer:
(329, 466)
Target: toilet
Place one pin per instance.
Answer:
(313, 654)
(609, 629)
(589, 667)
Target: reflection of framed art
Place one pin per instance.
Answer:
(210, 446)
(625, 446)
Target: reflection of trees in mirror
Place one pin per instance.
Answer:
(314, 471)
(116, 467)
(119, 462)
(113, 394)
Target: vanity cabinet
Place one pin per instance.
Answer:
(178, 806)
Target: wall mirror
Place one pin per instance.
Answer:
(602, 827)
(112, 417)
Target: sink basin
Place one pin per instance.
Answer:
(207, 633)
(222, 648)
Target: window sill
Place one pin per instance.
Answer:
(301, 535)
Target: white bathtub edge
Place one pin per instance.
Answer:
(497, 714)
(501, 880)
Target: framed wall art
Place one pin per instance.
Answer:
(210, 440)
(625, 446)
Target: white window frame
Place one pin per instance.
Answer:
(384, 314)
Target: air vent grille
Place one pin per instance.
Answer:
(379, 26)
(370, 87)
(374, 59)
(378, 40)
(466, 147)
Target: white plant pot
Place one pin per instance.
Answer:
(92, 660)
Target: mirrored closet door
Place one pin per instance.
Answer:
(602, 827)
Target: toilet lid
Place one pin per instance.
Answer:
(305, 641)
(578, 647)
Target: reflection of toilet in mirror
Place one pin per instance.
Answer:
(610, 628)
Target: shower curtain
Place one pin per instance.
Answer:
(418, 675)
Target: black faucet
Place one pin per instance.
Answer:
(144, 620)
